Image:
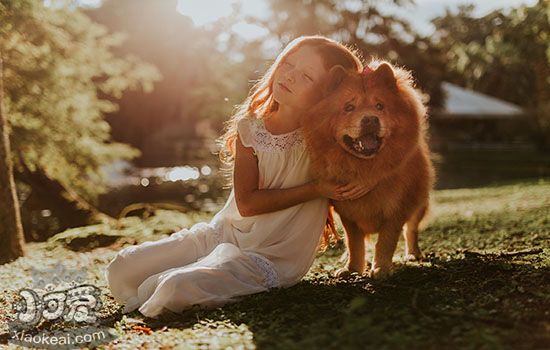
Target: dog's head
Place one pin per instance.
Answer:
(364, 112)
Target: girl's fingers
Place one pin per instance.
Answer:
(355, 193)
(345, 195)
(362, 193)
(351, 191)
(345, 188)
(358, 195)
(350, 194)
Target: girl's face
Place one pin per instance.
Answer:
(297, 77)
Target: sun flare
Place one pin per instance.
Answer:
(205, 11)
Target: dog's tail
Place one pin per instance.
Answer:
(329, 231)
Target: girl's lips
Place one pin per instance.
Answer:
(284, 87)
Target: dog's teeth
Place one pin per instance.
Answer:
(360, 144)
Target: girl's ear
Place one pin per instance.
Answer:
(334, 78)
(384, 74)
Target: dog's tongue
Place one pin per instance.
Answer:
(368, 141)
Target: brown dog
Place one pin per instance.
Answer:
(371, 126)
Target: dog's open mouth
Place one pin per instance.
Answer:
(366, 144)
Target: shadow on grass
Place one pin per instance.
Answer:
(469, 300)
(460, 300)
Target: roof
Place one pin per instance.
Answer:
(463, 103)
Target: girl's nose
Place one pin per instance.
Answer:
(289, 77)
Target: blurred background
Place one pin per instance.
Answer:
(114, 106)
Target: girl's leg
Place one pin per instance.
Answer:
(132, 265)
(215, 280)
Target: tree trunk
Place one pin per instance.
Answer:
(65, 204)
(12, 243)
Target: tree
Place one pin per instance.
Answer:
(57, 65)
(200, 84)
(11, 230)
(362, 24)
(505, 54)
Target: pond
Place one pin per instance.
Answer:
(189, 187)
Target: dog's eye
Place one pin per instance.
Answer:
(349, 107)
(379, 106)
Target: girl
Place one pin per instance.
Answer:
(267, 233)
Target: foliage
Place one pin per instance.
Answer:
(57, 63)
(365, 25)
(208, 70)
(504, 54)
(202, 79)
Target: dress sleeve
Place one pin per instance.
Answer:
(245, 128)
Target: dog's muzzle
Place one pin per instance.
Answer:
(369, 141)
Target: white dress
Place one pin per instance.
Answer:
(214, 263)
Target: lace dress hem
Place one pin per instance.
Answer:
(271, 277)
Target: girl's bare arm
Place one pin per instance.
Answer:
(253, 201)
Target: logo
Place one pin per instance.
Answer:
(59, 310)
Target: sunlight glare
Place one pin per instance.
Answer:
(249, 31)
(205, 11)
(183, 173)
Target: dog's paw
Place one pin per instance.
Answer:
(346, 273)
(414, 257)
(342, 273)
(380, 272)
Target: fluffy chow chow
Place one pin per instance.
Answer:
(371, 127)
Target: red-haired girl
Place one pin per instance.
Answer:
(267, 234)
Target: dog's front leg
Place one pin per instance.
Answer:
(384, 250)
(355, 243)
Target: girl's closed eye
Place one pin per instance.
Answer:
(308, 77)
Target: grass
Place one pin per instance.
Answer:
(483, 285)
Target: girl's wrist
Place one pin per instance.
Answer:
(313, 188)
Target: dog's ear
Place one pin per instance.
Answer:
(334, 78)
(384, 74)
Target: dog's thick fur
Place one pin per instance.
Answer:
(371, 126)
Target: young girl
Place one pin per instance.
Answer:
(267, 233)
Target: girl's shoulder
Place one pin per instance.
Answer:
(254, 134)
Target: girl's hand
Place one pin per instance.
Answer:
(328, 189)
(341, 192)
(352, 190)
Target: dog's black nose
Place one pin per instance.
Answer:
(370, 123)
